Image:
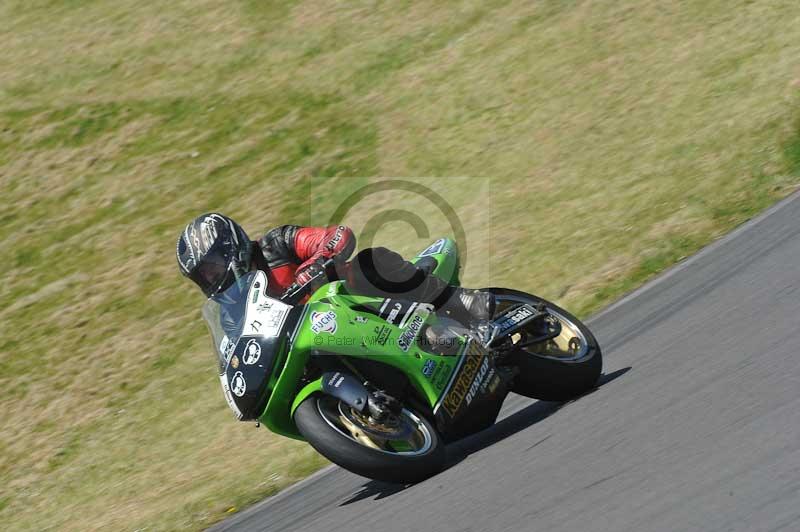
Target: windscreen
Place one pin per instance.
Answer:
(244, 309)
(224, 314)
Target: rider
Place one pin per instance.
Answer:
(214, 251)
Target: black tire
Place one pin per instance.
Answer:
(365, 461)
(548, 379)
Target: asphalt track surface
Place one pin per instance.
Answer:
(695, 426)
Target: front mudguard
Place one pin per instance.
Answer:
(307, 391)
(340, 385)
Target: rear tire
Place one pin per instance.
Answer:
(543, 376)
(344, 450)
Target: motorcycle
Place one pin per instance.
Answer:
(380, 386)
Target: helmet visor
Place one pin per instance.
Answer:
(214, 273)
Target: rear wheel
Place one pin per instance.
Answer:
(405, 448)
(557, 369)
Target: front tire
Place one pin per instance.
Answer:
(557, 370)
(346, 439)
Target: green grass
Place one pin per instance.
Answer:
(602, 142)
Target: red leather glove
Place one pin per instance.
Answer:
(310, 272)
(314, 243)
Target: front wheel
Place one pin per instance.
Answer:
(560, 368)
(404, 448)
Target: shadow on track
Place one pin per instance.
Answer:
(377, 488)
(501, 430)
(517, 422)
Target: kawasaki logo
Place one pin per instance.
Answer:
(520, 315)
(452, 401)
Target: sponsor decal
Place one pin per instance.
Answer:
(361, 319)
(397, 312)
(493, 381)
(433, 249)
(417, 309)
(226, 391)
(272, 316)
(337, 237)
(323, 322)
(472, 364)
(332, 289)
(411, 332)
(382, 333)
(479, 378)
(336, 380)
(441, 375)
(238, 384)
(226, 347)
(252, 352)
(393, 311)
(235, 362)
(265, 315)
(512, 320)
(429, 368)
(255, 291)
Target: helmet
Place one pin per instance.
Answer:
(213, 251)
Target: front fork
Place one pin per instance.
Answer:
(376, 404)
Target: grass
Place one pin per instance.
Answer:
(604, 142)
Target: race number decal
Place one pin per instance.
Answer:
(264, 315)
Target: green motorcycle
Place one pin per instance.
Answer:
(379, 386)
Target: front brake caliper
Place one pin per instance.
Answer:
(382, 404)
